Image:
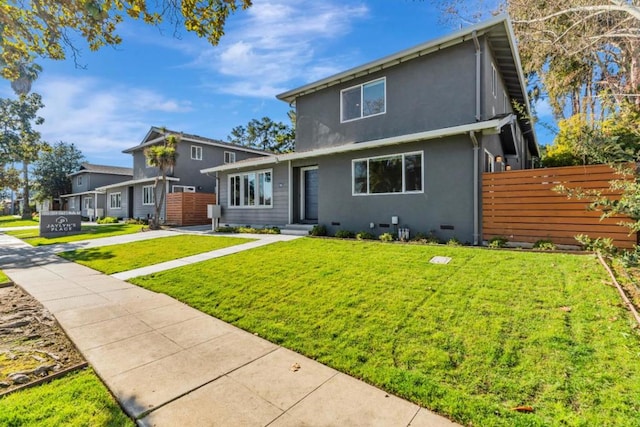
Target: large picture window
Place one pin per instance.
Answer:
(368, 99)
(251, 189)
(148, 195)
(115, 200)
(397, 173)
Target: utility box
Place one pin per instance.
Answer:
(214, 211)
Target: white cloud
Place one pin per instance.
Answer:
(98, 117)
(277, 42)
(543, 108)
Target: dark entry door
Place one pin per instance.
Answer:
(310, 194)
(130, 202)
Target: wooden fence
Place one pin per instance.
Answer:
(188, 208)
(523, 207)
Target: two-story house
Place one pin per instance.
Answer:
(84, 196)
(400, 142)
(135, 198)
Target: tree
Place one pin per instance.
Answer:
(19, 141)
(265, 134)
(45, 28)
(162, 156)
(27, 74)
(51, 170)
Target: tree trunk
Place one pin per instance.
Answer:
(26, 209)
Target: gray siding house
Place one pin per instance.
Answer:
(85, 196)
(400, 142)
(135, 198)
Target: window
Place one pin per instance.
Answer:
(251, 189)
(229, 157)
(494, 81)
(79, 180)
(72, 204)
(115, 200)
(148, 196)
(88, 202)
(489, 162)
(368, 99)
(506, 102)
(398, 173)
(196, 152)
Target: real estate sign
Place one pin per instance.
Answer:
(59, 223)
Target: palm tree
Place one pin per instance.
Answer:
(163, 157)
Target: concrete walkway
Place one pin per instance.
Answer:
(169, 364)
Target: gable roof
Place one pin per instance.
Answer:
(501, 39)
(104, 169)
(487, 127)
(156, 134)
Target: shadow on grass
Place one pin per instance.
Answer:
(90, 254)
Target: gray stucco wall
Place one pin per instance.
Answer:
(92, 180)
(431, 92)
(277, 215)
(123, 212)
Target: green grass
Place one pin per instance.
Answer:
(129, 256)
(471, 340)
(4, 278)
(77, 399)
(88, 232)
(15, 221)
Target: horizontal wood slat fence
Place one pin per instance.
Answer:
(522, 206)
(189, 208)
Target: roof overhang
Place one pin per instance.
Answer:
(82, 193)
(488, 127)
(134, 182)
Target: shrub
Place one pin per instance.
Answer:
(545, 245)
(345, 234)
(498, 242)
(631, 258)
(137, 221)
(600, 244)
(427, 239)
(386, 237)
(454, 242)
(318, 230)
(107, 220)
(249, 230)
(227, 230)
(365, 235)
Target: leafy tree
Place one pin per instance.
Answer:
(265, 134)
(163, 156)
(45, 28)
(51, 170)
(19, 141)
(568, 148)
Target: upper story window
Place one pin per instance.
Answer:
(229, 157)
(196, 152)
(397, 173)
(79, 180)
(367, 99)
(494, 81)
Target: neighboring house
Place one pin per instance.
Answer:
(84, 195)
(135, 198)
(400, 142)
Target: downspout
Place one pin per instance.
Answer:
(478, 70)
(476, 216)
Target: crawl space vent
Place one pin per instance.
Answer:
(440, 260)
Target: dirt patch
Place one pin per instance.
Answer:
(32, 344)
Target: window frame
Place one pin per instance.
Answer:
(152, 196)
(362, 86)
(79, 180)
(198, 152)
(118, 198)
(491, 163)
(87, 203)
(404, 182)
(242, 201)
(494, 81)
(231, 157)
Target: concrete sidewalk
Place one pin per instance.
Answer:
(169, 364)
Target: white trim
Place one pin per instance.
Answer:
(153, 195)
(133, 182)
(184, 138)
(488, 127)
(183, 188)
(79, 180)
(231, 155)
(491, 163)
(361, 86)
(494, 81)
(386, 156)
(290, 192)
(256, 204)
(302, 190)
(118, 193)
(198, 152)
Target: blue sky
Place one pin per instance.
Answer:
(185, 84)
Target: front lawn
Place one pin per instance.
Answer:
(31, 236)
(15, 221)
(3, 278)
(129, 256)
(77, 399)
(472, 340)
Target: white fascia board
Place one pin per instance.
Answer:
(83, 193)
(134, 182)
(198, 141)
(487, 127)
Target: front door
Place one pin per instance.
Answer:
(309, 194)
